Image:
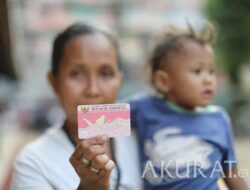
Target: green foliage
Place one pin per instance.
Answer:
(233, 42)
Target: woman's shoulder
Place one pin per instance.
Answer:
(41, 160)
(48, 142)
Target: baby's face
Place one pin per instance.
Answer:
(192, 78)
(88, 73)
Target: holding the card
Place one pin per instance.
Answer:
(103, 119)
(85, 70)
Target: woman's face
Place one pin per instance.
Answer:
(88, 73)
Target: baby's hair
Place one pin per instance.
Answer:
(171, 40)
(73, 31)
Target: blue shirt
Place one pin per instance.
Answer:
(182, 150)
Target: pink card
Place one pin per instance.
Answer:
(103, 119)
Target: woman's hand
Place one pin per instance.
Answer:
(92, 164)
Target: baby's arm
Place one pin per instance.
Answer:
(234, 181)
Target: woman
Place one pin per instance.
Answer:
(85, 70)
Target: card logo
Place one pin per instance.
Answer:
(84, 109)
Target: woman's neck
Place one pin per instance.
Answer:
(72, 130)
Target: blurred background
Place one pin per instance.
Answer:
(27, 28)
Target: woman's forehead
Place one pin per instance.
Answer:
(89, 48)
(90, 43)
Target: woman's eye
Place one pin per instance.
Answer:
(107, 73)
(76, 73)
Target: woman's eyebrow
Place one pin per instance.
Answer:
(79, 64)
(105, 64)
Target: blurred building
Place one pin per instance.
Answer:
(35, 23)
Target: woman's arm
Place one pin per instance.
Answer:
(92, 164)
(234, 181)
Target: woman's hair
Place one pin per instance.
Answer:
(73, 31)
(172, 39)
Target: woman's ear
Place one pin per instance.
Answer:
(161, 81)
(52, 81)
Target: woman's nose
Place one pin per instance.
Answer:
(93, 89)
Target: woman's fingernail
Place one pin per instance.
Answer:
(110, 165)
(105, 137)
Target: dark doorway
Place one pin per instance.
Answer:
(6, 64)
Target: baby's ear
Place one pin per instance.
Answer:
(161, 81)
(51, 79)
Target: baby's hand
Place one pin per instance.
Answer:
(92, 164)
